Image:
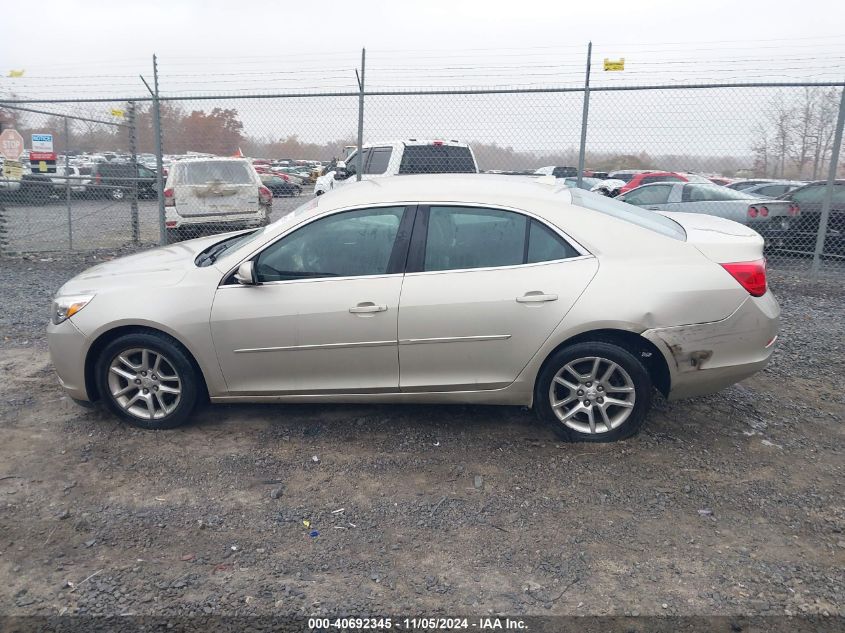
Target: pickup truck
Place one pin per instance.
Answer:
(411, 156)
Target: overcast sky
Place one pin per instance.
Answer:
(96, 48)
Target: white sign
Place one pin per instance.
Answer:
(42, 142)
(11, 144)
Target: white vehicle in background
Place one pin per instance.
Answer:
(213, 195)
(411, 156)
(80, 178)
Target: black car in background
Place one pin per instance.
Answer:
(115, 180)
(280, 187)
(801, 235)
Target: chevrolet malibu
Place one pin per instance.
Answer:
(428, 289)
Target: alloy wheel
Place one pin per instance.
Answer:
(144, 383)
(592, 395)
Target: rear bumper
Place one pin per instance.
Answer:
(231, 222)
(708, 357)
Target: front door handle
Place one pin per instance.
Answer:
(367, 307)
(536, 297)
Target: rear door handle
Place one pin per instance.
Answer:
(367, 307)
(536, 297)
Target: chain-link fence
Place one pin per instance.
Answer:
(159, 170)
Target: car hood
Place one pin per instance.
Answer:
(158, 267)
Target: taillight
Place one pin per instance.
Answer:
(794, 209)
(265, 196)
(437, 143)
(750, 275)
(169, 198)
(752, 212)
(764, 212)
(98, 179)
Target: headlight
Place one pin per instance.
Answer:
(66, 307)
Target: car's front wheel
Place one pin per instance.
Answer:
(148, 380)
(593, 392)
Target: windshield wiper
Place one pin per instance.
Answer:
(211, 255)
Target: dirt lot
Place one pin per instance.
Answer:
(730, 504)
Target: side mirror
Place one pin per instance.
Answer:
(341, 174)
(246, 274)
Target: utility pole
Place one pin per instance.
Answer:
(359, 170)
(133, 152)
(159, 160)
(582, 150)
(827, 201)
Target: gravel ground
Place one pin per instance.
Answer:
(729, 504)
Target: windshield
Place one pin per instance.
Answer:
(628, 212)
(200, 173)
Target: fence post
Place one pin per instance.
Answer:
(828, 191)
(582, 150)
(133, 152)
(67, 187)
(360, 168)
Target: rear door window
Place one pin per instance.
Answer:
(437, 159)
(544, 245)
(476, 237)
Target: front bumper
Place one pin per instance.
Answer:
(707, 357)
(68, 348)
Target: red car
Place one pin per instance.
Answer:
(659, 176)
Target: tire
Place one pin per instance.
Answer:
(629, 383)
(169, 410)
(297, 191)
(117, 194)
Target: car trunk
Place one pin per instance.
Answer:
(720, 240)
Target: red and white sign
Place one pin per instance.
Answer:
(36, 156)
(11, 144)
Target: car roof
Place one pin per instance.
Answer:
(485, 189)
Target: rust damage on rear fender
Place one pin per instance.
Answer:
(688, 360)
(692, 346)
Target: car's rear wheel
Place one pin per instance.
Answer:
(148, 380)
(593, 392)
(117, 194)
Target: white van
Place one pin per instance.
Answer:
(205, 195)
(411, 156)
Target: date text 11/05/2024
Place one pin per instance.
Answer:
(417, 624)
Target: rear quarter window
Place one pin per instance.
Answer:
(629, 213)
